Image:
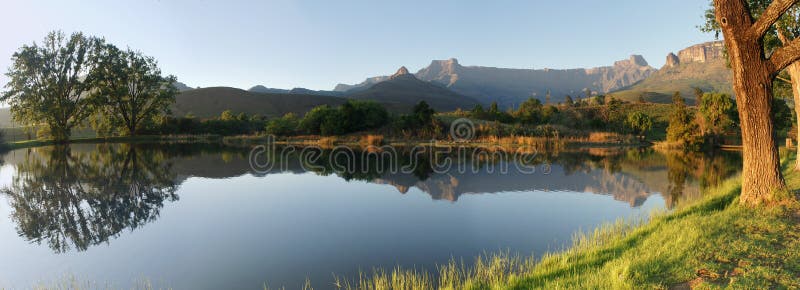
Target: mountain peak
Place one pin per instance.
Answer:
(403, 71)
(638, 60)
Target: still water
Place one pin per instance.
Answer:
(198, 217)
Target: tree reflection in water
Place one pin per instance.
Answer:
(74, 198)
(71, 199)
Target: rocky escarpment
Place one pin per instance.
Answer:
(700, 66)
(700, 53)
(509, 86)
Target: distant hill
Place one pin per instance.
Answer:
(510, 87)
(700, 66)
(295, 91)
(211, 102)
(182, 87)
(263, 89)
(403, 90)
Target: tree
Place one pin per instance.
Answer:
(785, 30)
(493, 108)
(717, 111)
(547, 97)
(423, 113)
(131, 88)
(753, 73)
(639, 122)
(312, 121)
(227, 115)
(283, 126)
(530, 111)
(682, 128)
(48, 83)
(568, 100)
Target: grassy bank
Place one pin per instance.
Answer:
(708, 244)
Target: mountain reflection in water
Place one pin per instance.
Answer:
(74, 197)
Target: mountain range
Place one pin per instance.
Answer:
(447, 85)
(509, 87)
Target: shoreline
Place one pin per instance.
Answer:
(347, 141)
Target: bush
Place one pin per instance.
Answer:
(283, 126)
(353, 116)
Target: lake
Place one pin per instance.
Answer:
(191, 216)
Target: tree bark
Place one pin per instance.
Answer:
(794, 74)
(752, 82)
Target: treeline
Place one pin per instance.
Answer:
(357, 116)
(597, 113)
(715, 116)
(71, 81)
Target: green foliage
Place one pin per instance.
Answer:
(530, 111)
(353, 116)
(639, 122)
(226, 125)
(718, 111)
(682, 128)
(493, 114)
(48, 85)
(130, 88)
(226, 115)
(283, 126)
(781, 115)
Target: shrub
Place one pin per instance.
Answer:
(283, 126)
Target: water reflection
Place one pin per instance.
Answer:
(70, 199)
(84, 195)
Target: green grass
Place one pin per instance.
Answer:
(712, 243)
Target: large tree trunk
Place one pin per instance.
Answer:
(752, 82)
(794, 74)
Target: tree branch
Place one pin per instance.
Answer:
(785, 55)
(770, 16)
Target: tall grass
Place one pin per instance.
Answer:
(487, 271)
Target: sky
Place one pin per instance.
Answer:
(317, 44)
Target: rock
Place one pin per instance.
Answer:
(638, 60)
(400, 72)
(672, 60)
(702, 52)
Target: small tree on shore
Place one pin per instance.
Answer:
(682, 128)
(717, 111)
(640, 123)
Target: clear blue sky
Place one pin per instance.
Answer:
(317, 44)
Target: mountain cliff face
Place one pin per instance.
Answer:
(509, 87)
(699, 66)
